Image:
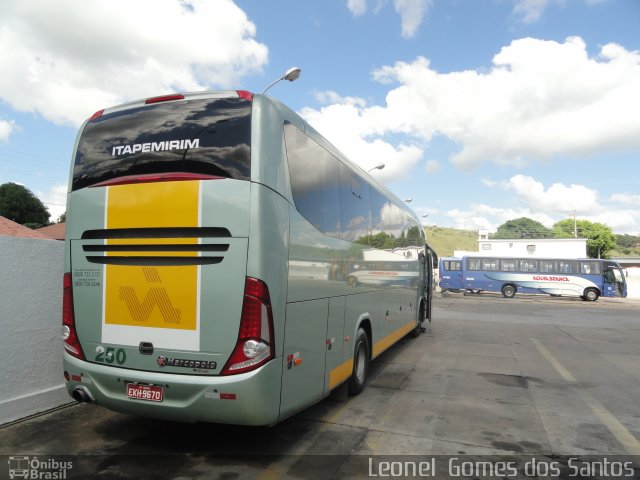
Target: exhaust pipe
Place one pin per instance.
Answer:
(82, 395)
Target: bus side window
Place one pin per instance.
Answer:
(474, 263)
(489, 264)
(355, 205)
(590, 268)
(547, 266)
(314, 174)
(528, 265)
(568, 266)
(508, 265)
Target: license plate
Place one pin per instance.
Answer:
(151, 393)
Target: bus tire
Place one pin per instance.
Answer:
(591, 295)
(361, 355)
(509, 291)
(415, 333)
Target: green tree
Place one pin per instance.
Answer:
(628, 241)
(19, 204)
(522, 228)
(600, 238)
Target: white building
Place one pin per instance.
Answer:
(529, 247)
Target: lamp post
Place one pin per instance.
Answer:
(292, 74)
(379, 166)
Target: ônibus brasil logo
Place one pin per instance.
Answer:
(35, 468)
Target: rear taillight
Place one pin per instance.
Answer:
(69, 335)
(246, 95)
(255, 345)
(96, 115)
(164, 98)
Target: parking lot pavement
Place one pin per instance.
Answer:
(550, 377)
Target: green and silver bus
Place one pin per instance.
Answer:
(210, 242)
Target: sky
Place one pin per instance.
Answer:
(481, 110)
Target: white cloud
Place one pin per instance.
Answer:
(352, 133)
(488, 182)
(6, 129)
(542, 99)
(55, 200)
(357, 7)
(66, 59)
(626, 198)
(530, 11)
(558, 198)
(485, 217)
(548, 205)
(411, 14)
(620, 221)
(329, 97)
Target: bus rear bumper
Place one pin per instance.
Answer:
(251, 398)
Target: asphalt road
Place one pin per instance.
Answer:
(549, 377)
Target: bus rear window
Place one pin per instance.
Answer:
(209, 137)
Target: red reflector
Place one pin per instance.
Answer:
(156, 177)
(227, 396)
(96, 115)
(76, 378)
(164, 98)
(244, 94)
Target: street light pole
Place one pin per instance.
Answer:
(379, 166)
(292, 74)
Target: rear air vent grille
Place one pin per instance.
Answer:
(154, 261)
(174, 253)
(171, 232)
(157, 248)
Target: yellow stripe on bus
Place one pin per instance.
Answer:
(343, 371)
(384, 343)
(340, 373)
(153, 296)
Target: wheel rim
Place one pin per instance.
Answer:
(361, 364)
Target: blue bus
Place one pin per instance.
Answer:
(587, 278)
(450, 274)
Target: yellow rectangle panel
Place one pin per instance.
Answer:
(152, 296)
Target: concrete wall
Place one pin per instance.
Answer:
(30, 320)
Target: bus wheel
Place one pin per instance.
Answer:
(415, 333)
(591, 295)
(360, 363)
(509, 291)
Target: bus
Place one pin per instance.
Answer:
(587, 278)
(208, 245)
(450, 274)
